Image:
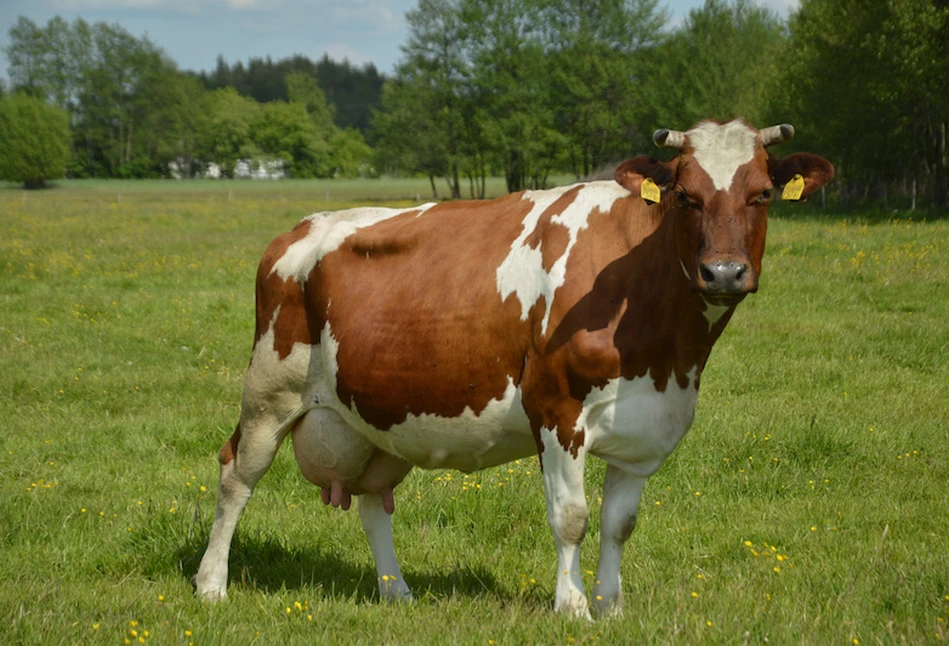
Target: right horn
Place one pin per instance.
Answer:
(776, 134)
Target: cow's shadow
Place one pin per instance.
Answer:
(259, 563)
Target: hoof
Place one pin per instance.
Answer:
(209, 594)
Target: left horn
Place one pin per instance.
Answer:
(777, 134)
(665, 138)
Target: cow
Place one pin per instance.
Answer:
(564, 323)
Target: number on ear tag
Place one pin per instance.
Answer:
(793, 189)
(649, 191)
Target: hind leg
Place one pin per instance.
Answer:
(343, 463)
(377, 523)
(244, 458)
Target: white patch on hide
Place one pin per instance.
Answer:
(522, 272)
(721, 149)
(713, 313)
(328, 231)
(469, 442)
(635, 427)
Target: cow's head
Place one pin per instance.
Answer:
(718, 189)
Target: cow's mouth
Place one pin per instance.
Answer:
(724, 300)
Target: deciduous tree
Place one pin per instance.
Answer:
(35, 140)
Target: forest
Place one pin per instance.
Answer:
(516, 88)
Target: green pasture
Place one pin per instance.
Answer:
(807, 505)
(324, 190)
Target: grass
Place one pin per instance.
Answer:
(325, 190)
(806, 505)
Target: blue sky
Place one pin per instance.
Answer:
(194, 32)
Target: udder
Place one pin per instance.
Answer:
(342, 462)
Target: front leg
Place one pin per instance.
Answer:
(621, 492)
(567, 513)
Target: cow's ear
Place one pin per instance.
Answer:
(633, 172)
(811, 170)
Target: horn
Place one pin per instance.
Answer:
(777, 134)
(665, 138)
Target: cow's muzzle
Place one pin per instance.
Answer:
(726, 280)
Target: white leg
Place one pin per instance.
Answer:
(250, 455)
(377, 524)
(567, 513)
(621, 492)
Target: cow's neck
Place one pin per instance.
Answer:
(667, 329)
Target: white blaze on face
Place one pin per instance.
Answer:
(720, 149)
(522, 271)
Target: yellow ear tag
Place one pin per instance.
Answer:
(793, 189)
(649, 191)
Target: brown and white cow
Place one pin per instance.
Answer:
(564, 322)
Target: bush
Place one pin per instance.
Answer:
(35, 141)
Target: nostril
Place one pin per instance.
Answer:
(707, 273)
(741, 272)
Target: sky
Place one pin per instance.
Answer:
(194, 32)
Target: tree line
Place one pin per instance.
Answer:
(132, 113)
(523, 89)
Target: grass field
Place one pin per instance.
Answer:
(807, 505)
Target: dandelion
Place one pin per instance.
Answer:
(776, 569)
(695, 595)
(188, 633)
(708, 623)
(161, 597)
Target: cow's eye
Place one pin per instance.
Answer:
(684, 200)
(764, 197)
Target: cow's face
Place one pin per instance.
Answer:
(717, 190)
